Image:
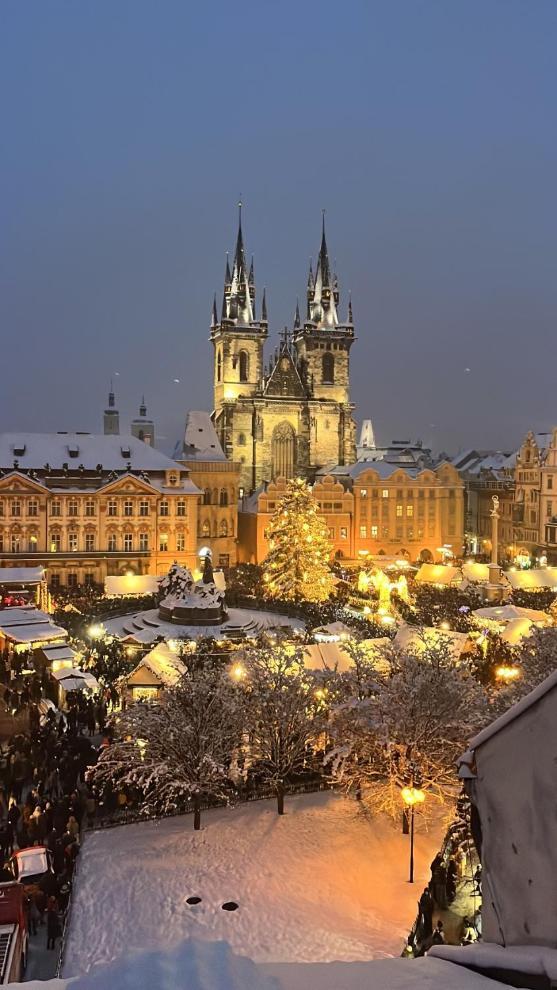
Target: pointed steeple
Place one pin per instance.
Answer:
(311, 282)
(297, 316)
(143, 408)
(350, 317)
(264, 306)
(111, 397)
(323, 288)
(227, 275)
(239, 256)
(251, 277)
(111, 419)
(323, 267)
(214, 317)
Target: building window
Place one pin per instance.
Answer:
(72, 541)
(410, 532)
(90, 507)
(549, 509)
(89, 541)
(206, 528)
(399, 510)
(112, 507)
(207, 496)
(224, 528)
(363, 532)
(343, 533)
(15, 543)
(180, 542)
(72, 580)
(128, 542)
(54, 581)
(223, 496)
(89, 579)
(143, 541)
(163, 542)
(128, 507)
(241, 439)
(72, 507)
(331, 533)
(55, 542)
(181, 507)
(32, 544)
(1, 506)
(244, 366)
(16, 507)
(112, 543)
(32, 507)
(410, 510)
(55, 508)
(385, 532)
(550, 482)
(224, 560)
(328, 368)
(219, 366)
(385, 493)
(363, 492)
(163, 508)
(374, 532)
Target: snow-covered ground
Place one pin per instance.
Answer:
(322, 883)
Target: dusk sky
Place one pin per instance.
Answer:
(426, 128)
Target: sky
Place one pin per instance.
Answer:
(425, 128)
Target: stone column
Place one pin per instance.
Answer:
(494, 589)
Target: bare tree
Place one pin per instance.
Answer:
(284, 713)
(413, 725)
(179, 748)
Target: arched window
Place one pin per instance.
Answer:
(224, 528)
(244, 366)
(207, 496)
(283, 451)
(206, 528)
(328, 369)
(215, 496)
(241, 439)
(219, 366)
(223, 496)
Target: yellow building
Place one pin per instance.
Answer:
(85, 506)
(371, 509)
(293, 416)
(218, 479)
(529, 517)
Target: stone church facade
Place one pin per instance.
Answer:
(292, 416)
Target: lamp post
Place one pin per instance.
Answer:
(411, 797)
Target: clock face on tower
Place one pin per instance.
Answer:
(284, 364)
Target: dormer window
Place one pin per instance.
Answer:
(173, 479)
(126, 452)
(73, 450)
(19, 449)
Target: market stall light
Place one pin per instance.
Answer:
(412, 796)
(507, 673)
(238, 672)
(96, 631)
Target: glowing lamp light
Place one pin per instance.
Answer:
(507, 673)
(367, 610)
(387, 620)
(142, 746)
(238, 672)
(96, 631)
(412, 796)
(445, 626)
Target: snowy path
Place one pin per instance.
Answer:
(320, 884)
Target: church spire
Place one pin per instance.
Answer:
(322, 290)
(111, 419)
(214, 317)
(143, 407)
(297, 316)
(239, 268)
(264, 306)
(350, 317)
(251, 277)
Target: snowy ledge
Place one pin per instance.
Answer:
(535, 960)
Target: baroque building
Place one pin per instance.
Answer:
(291, 416)
(87, 506)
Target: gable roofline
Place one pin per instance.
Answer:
(515, 712)
(117, 483)
(32, 482)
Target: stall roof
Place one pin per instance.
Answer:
(42, 632)
(163, 663)
(534, 579)
(416, 639)
(439, 574)
(334, 656)
(21, 575)
(74, 679)
(507, 613)
(58, 652)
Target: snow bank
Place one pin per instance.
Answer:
(322, 883)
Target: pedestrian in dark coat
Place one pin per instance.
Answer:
(425, 905)
(452, 876)
(53, 930)
(439, 881)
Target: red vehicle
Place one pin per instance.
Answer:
(13, 933)
(31, 866)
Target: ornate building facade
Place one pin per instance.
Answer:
(86, 506)
(292, 416)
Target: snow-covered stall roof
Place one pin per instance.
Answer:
(439, 574)
(332, 632)
(59, 652)
(508, 613)
(417, 639)
(21, 575)
(131, 584)
(27, 625)
(163, 662)
(74, 679)
(334, 656)
(534, 579)
(473, 571)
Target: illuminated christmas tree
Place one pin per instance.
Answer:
(297, 566)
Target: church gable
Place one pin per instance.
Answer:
(284, 378)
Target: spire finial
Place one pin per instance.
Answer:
(350, 317)
(264, 306)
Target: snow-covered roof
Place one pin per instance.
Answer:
(163, 662)
(27, 625)
(419, 638)
(438, 574)
(507, 613)
(516, 711)
(33, 450)
(74, 679)
(59, 652)
(534, 960)
(21, 575)
(537, 577)
(201, 442)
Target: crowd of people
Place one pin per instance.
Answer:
(44, 799)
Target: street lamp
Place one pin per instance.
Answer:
(411, 797)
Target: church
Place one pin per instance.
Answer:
(292, 416)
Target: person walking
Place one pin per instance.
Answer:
(53, 929)
(425, 905)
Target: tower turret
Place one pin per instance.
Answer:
(142, 427)
(111, 418)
